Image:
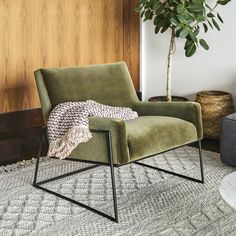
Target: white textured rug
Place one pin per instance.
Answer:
(149, 202)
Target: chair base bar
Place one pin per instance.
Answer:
(170, 172)
(76, 202)
(180, 175)
(67, 174)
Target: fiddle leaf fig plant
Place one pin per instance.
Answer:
(185, 19)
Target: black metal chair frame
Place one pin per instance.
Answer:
(97, 164)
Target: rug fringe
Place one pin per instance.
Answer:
(18, 165)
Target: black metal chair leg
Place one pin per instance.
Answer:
(112, 177)
(38, 155)
(201, 162)
(110, 158)
(180, 175)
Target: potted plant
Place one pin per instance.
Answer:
(215, 105)
(184, 19)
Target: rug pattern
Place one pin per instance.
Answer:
(149, 202)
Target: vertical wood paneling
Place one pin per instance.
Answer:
(4, 55)
(52, 33)
(132, 40)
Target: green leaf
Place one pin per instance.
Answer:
(223, 2)
(188, 16)
(215, 24)
(219, 17)
(190, 50)
(205, 27)
(204, 44)
(148, 15)
(156, 19)
(157, 5)
(181, 9)
(161, 22)
(142, 1)
(142, 13)
(195, 8)
(178, 30)
(188, 44)
(210, 24)
(149, 4)
(210, 15)
(200, 17)
(159, 10)
(174, 22)
(184, 33)
(165, 27)
(197, 2)
(196, 31)
(192, 36)
(157, 29)
(182, 19)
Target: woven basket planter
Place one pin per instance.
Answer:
(215, 105)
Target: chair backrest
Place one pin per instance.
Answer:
(109, 84)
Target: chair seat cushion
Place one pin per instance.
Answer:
(148, 135)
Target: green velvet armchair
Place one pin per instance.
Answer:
(160, 127)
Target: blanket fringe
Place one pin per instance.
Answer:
(62, 147)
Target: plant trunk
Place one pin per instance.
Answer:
(169, 65)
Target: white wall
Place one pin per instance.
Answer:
(214, 69)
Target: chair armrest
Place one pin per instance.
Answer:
(105, 123)
(189, 111)
(117, 128)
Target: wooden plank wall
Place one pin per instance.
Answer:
(52, 33)
(132, 40)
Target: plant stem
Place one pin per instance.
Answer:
(169, 64)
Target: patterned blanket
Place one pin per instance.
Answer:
(68, 124)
